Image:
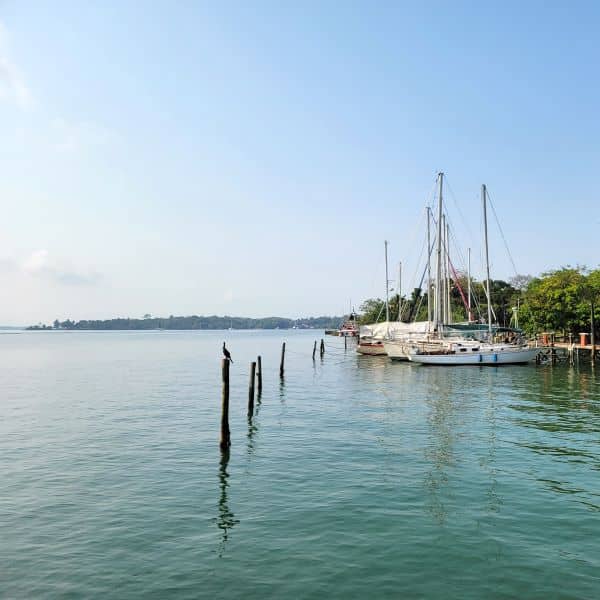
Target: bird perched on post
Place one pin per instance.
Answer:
(227, 354)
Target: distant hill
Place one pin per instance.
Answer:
(195, 322)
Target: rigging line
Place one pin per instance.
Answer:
(458, 286)
(431, 198)
(460, 213)
(502, 233)
(415, 231)
(462, 260)
(418, 263)
(418, 307)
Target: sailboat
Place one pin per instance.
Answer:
(375, 337)
(371, 337)
(458, 350)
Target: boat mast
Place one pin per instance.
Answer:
(469, 284)
(487, 259)
(438, 272)
(444, 273)
(448, 286)
(400, 291)
(387, 281)
(429, 306)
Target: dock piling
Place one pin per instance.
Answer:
(225, 433)
(281, 364)
(259, 375)
(251, 389)
(314, 349)
(322, 347)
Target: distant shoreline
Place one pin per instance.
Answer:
(193, 323)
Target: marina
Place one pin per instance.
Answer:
(441, 341)
(300, 301)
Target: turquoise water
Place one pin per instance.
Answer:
(355, 478)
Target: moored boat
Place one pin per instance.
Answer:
(350, 327)
(474, 353)
(469, 347)
(371, 347)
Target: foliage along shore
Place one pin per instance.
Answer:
(193, 322)
(565, 301)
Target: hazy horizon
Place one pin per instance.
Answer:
(251, 159)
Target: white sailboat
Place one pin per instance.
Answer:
(371, 337)
(399, 345)
(384, 338)
(460, 351)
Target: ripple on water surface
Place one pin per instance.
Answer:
(356, 477)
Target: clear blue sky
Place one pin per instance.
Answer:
(250, 158)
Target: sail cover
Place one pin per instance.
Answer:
(393, 328)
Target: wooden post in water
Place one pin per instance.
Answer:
(345, 342)
(225, 433)
(281, 364)
(251, 389)
(314, 349)
(322, 351)
(259, 375)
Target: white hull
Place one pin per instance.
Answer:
(492, 356)
(396, 350)
(401, 349)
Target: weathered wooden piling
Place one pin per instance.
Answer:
(225, 433)
(322, 347)
(251, 389)
(282, 363)
(314, 349)
(259, 375)
(345, 342)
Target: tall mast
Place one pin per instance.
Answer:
(469, 284)
(448, 286)
(444, 272)
(387, 281)
(429, 304)
(487, 259)
(400, 291)
(438, 272)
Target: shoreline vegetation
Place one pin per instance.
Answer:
(190, 323)
(564, 301)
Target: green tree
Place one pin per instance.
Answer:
(556, 301)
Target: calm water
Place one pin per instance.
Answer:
(356, 478)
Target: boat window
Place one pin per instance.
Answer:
(475, 349)
(463, 349)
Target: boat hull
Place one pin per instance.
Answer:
(484, 357)
(396, 350)
(371, 349)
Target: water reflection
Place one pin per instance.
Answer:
(559, 413)
(440, 449)
(489, 462)
(462, 417)
(282, 389)
(226, 519)
(252, 430)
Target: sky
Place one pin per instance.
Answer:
(250, 159)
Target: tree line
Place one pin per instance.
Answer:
(564, 301)
(194, 322)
